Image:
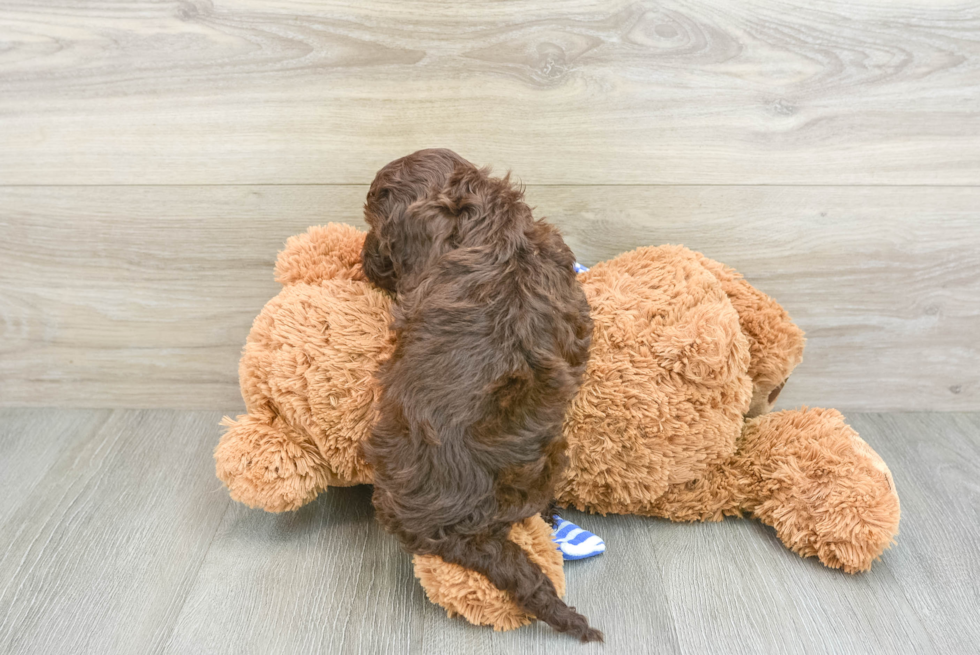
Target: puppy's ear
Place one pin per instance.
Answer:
(426, 231)
(486, 209)
(377, 265)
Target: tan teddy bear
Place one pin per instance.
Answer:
(672, 420)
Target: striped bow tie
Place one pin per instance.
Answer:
(574, 542)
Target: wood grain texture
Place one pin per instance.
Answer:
(31, 442)
(619, 92)
(100, 555)
(324, 579)
(748, 583)
(885, 282)
(934, 459)
(124, 546)
(143, 296)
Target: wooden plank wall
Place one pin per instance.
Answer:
(155, 155)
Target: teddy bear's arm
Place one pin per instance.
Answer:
(265, 463)
(775, 342)
(329, 252)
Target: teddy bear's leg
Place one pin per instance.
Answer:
(469, 594)
(329, 252)
(265, 463)
(807, 474)
(825, 491)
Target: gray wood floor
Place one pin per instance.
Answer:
(115, 537)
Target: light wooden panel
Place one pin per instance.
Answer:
(292, 91)
(143, 296)
(885, 282)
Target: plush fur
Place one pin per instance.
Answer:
(492, 337)
(465, 592)
(682, 347)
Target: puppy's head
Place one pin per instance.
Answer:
(408, 228)
(423, 205)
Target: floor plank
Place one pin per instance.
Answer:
(100, 556)
(934, 458)
(32, 441)
(124, 545)
(736, 584)
(143, 296)
(733, 586)
(324, 579)
(620, 92)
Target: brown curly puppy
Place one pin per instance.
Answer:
(492, 338)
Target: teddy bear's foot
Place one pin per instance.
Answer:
(823, 489)
(470, 595)
(264, 463)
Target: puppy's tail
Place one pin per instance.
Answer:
(507, 567)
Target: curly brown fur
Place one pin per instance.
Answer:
(492, 339)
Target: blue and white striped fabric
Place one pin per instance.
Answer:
(574, 542)
(579, 268)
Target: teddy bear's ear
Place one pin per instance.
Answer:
(775, 342)
(330, 252)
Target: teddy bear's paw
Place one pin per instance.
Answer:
(466, 593)
(866, 514)
(266, 464)
(330, 252)
(827, 493)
